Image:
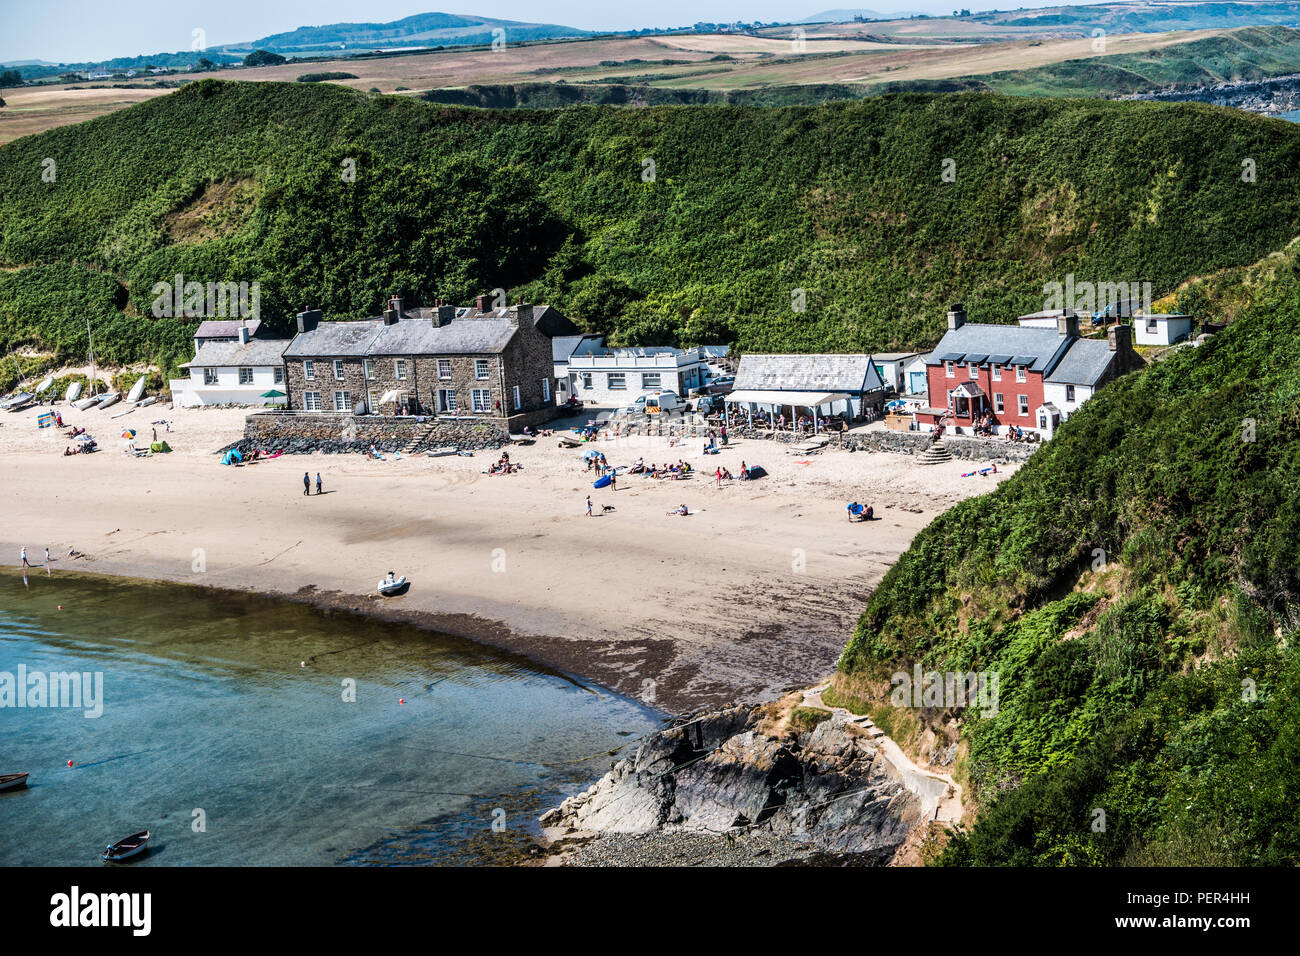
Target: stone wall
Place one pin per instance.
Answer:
(348, 434)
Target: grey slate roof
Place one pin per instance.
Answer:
(334, 340)
(564, 347)
(225, 328)
(808, 373)
(1038, 345)
(477, 336)
(226, 354)
(1085, 363)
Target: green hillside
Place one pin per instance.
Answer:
(1136, 586)
(244, 182)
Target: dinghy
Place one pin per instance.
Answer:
(144, 402)
(391, 586)
(44, 385)
(73, 392)
(112, 398)
(137, 390)
(133, 845)
(85, 403)
(16, 403)
(12, 781)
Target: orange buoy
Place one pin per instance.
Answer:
(402, 700)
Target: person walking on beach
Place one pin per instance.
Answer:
(306, 483)
(724, 435)
(47, 557)
(155, 434)
(588, 515)
(23, 553)
(613, 480)
(318, 491)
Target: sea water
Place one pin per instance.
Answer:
(214, 736)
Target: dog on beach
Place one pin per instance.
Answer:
(606, 508)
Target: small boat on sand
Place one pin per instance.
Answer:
(137, 390)
(12, 781)
(391, 586)
(133, 845)
(112, 398)
(16, 403)
(73, 393)
(85, 403)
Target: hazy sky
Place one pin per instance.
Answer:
(69, 31)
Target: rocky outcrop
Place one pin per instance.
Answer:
(1278, 94)
(830, 787)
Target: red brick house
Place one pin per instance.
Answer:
(1033, 378)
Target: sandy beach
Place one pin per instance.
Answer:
(755, 592)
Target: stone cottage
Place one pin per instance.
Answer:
(446, 361)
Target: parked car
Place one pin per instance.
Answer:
(710, 405)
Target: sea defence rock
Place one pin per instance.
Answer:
(719, 773)
(355, 434)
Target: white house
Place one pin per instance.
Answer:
(915, 378)
(1161, 329)
(619, 376)
(233, 373)
(563, 348)
(892, 367)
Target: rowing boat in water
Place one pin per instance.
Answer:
(12, 781)
(133, 845)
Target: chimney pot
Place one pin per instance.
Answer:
(243, 335)
(481, 303)
(956, 316)
(444, 315)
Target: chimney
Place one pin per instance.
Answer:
(391, 316)
(956, 316)
(1120, 338)
(1067, 324)
(308, 320)
(444, 314)
(243, 335)
(522, 314)
(481, 303)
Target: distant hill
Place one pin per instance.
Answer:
(1148, 17)
(843, 16)
(422, 29)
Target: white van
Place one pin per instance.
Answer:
(662, 402)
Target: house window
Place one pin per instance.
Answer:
(518, 404)
(444, 368)
(482, 399)
(1152, 325)
(1069, 393)
(245, 376)
(342, 402)
(481, 369)
(311, 401)
(373, 402)
(617, 380)
(338, 369)
(586, 380)
(974, 370)
(399, 369)
(1023, 402)
(370, 369)
(309, 370)
(546, 389)
(650, 379)
(278, 373)
(447, 400)
(209, 376)
(998, 405)
(949, 370)
(1020, 373)
(997, 373)
(949, 398)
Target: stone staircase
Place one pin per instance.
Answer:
(415, 442)
(936, 454)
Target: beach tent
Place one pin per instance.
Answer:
(232, 457)
(161, 447)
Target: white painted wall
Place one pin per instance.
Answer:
(190, 392)
(1166, 331)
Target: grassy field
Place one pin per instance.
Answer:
(844, 59)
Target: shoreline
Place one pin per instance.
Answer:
(755, 593)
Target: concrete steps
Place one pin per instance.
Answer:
(416, 441)
(936, 454)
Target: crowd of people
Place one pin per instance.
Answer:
(503, 466)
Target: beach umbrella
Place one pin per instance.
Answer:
(591, 453)
(273, 393)
(128, 433)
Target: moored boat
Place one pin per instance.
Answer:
(391, 586)
(133, 845)
(12, 781)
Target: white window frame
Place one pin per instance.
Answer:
(586, 380)
(651, 380)
(444, 369)
(447, 400)
(309, 370)
(519, 404)
(999, 403)
(546, 389)
(245, 379)
(371, 403)
(369, 366)
(1069, 393)
(346, 404)
(997, 373)
(399, 369)
(210, 376)
(974, 371)
(481, 400)
(482, 369)
(1022, 406)
(622, 381)
(339, 370)
(1020, 374)
(311, 401)
(949, 370)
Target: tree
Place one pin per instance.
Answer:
(11, 78)
(263, 58)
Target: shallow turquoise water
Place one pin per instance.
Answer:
(208, 716)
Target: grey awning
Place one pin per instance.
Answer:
(999, 359)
